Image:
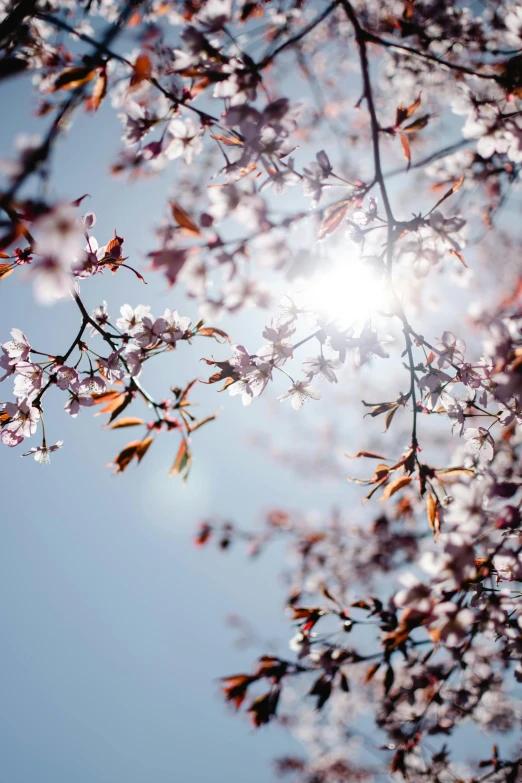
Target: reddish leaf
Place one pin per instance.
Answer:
(211, 331)
(184, 220)
(144, 447)
(71, 78)
(5, 270)
(126, 455)
(457, 254)
(448, 193)
(333, 217)
(228, 141)
(395, 486)
(405, 112)
(142, 71)
(99, 92)
(105, 396)
(183, 459)
(369, 454)
(128, 421)
(417, 125)
(406, 148)
(199, 424)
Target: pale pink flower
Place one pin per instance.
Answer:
(479, 441)
(134, 355)
(299, 392)
(144, 334)
(59, 235)
(93, 384)
(319, 365)
(29, 380)
(453, 623)
(369, 344)
(24, 420)
(280, 347)
(65, 377)
(184, 139)
(77, 401)
(450, 350)
(52, 280)
(41, 453)
(101, 316)
(131, 317)
(18, 348)
(7, 364)
(171, 327)
(113, 368)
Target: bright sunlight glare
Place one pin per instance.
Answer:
(345, 293)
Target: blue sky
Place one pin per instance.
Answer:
(113, 624)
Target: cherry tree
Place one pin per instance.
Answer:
(350, 170)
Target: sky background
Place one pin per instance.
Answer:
(113, 623)
(113, 632)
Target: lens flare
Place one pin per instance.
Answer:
(345, 293)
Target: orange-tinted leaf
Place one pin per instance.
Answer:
(99, 91)
(455, 472)
(211, 331)
(389, 417)
(417, 125)
(183, 458)
(144, 447)
(5, 270)
(105, 396)
(127, 421)
(228, 141)
(369, 454)
(406, 148)
(183, 219)
(372, 671)
(457, 254)
(113, 246)
(142, 70)
(112, 403)
(333, 217)
(126, 455)
(395, 486)
(405, 112)
(430, 510)
(71, 78)
(449, 193)
(199, 424)
(126, 401)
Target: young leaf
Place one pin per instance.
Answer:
(126, 455)
(395, 486)
(142, 71)
(184, 220)
(5, 270)
(406, 149)
(228, 141)
(143, 447)
(127, 421)
(333, 217)
(183, 459)
(405, 112)
(448, 193)
(99, 92)
(211, 331)
(71, 78)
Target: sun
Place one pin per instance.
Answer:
(346, 293)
